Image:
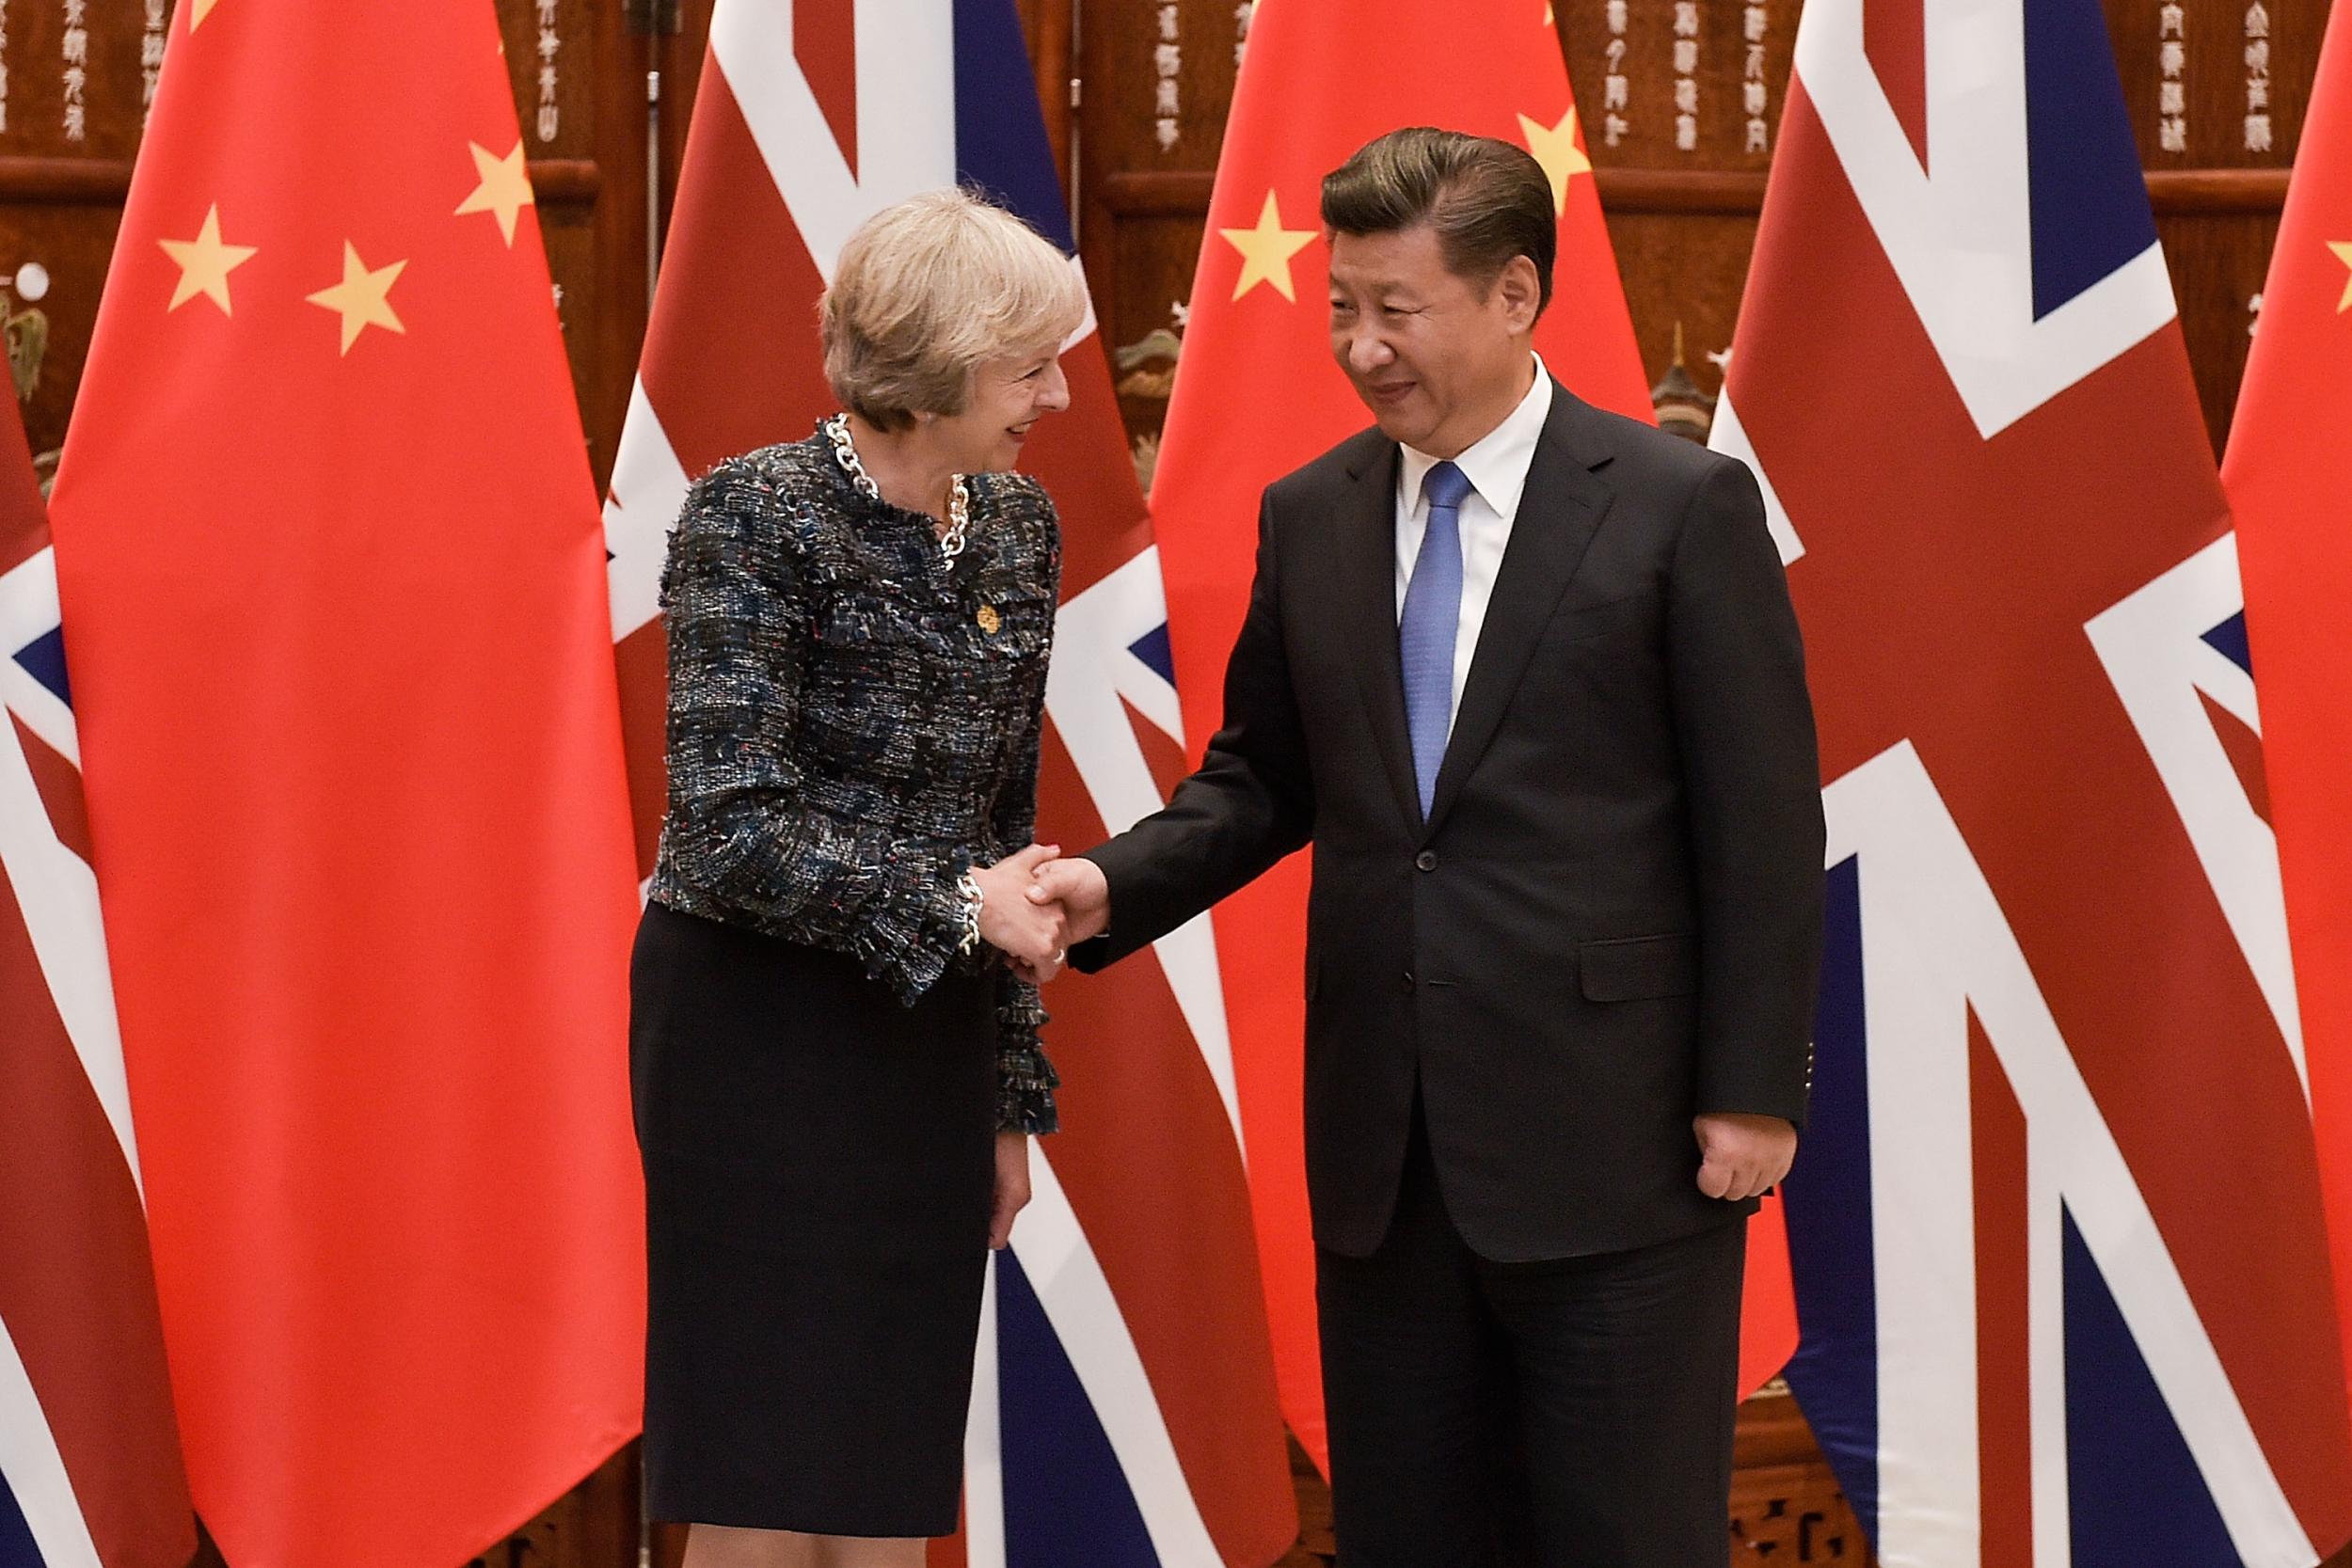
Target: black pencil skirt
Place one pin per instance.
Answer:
(818, 1168)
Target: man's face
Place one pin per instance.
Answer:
(1438, 359)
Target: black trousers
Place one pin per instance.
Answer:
(1572, 1412)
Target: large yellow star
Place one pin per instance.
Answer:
(205, 263)
(1266, 251)
(1556, 150)
(505, 188)
(199, 12)
(2343, 253)
(362, 298)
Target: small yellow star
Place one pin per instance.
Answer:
(1556, 150)
(1266, 251)
(2343, 253)
(362, 298)
(205, 263)
(199, 12)
(505, 188)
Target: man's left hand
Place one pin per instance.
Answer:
(1741, 1155)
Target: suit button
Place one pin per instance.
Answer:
(1426, 860)
(1408, 980)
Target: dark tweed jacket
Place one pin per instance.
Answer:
(853, 723)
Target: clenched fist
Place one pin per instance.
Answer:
(1741, 1155)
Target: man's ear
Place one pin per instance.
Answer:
(1522, 293)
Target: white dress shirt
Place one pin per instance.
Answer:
(1496, 466)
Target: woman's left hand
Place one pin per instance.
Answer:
(1012, 1186)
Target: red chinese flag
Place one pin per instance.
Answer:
(2292, 492)
(332, 558)
(1258, 395)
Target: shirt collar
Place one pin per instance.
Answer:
(1496, 464)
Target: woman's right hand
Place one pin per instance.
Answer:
(1030, 934)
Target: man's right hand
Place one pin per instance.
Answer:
(1010, 919)
(1081, 890)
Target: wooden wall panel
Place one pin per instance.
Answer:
(73, 243)
(1648, 130)
(1682, 270)
(2218, 261)
(1143, 172)
(62, 177)
(588, 166)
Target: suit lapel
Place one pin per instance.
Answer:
(1559, 510)
(1365, 546)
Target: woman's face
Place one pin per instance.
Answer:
(1009, 395)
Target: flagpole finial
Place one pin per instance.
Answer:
(1680, 405)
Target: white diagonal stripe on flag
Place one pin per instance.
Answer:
(34, 1471)
(906, 95)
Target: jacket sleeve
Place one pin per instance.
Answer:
(1250, 803)
(741, 830)
(1744, 724)
(1025, 1080)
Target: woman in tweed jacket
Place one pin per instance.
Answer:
(834, 1015)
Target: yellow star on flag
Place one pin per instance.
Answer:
(505, 188)
(362, 298)
(1266, 251)
(2343, 253)
(205, 263)
(199, 12)
(1556, 150)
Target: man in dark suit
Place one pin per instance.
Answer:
(1526, 676)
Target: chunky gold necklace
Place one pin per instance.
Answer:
(958, 498)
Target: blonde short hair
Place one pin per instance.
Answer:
(927, 289)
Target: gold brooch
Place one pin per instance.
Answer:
(989, 618)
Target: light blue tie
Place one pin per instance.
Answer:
(1425, 632)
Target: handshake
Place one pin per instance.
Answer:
(1036, 906)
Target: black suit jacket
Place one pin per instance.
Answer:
(1610, 921)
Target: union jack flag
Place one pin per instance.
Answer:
(1123, 1411)
(2056, 1229)
(90, 1472)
